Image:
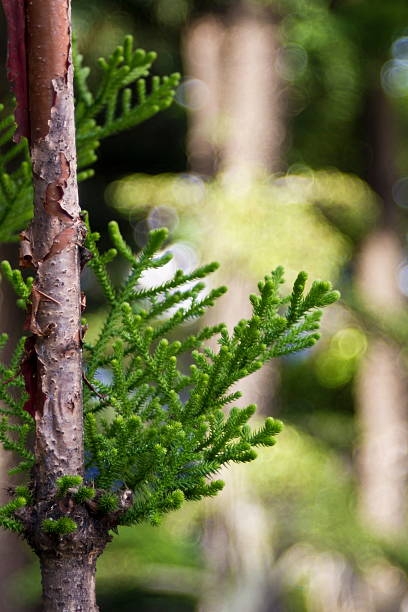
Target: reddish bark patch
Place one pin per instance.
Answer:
(85, 255)
(30, 323)
(55, 192)
(26, 253)
(63, 240)
(47, 59)
(17, 63)
(29, 370)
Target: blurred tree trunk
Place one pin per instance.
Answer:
(381, 391)
(239, 124)
(202, 51)
(252, 109)
(382, 396)
(238, 131)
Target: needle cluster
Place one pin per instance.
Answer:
(158, 420)
(124, 97)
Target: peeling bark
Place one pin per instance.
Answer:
(51, 245)
(52, 361)
(52, 364)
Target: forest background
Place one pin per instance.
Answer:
(287, 144)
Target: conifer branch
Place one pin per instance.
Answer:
(180, 442)
(168, 433)
(122, 100)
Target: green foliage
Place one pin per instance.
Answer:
(67, 482)
(7, 514)
(121, 101)
(15, 180)
(108, 502)
(21, 287)
(73, 484)
(60, 527)
(84, 494)
(152, 424)
(115, 106)
(23, 491)
(16, 424)
(311, 207)
(164, 432)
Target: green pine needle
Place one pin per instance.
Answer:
(168, 432)
(67, 482)
(169, 435)
(60, 527)
(122, 100)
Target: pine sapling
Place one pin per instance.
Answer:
(130, 425)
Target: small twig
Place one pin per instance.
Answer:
(92, 388)
(48, 297)
(9, 380)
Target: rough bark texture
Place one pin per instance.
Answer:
(52, 246)
(68, 563)
(53, 364)
(68, 580)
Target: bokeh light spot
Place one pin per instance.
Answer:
(292, 62)
(333, 372)
(163, 216)
(184, 258)
(189, 189)
(350, 342)
(402, 278)
(400, 192)
(400, 48)
(394, 77)
(192, 94)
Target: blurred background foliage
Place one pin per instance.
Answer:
(287, 144)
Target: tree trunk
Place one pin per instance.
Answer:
(239, 126)
(68, 583)
(68, 545)
(51, 245)
(253, 106)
